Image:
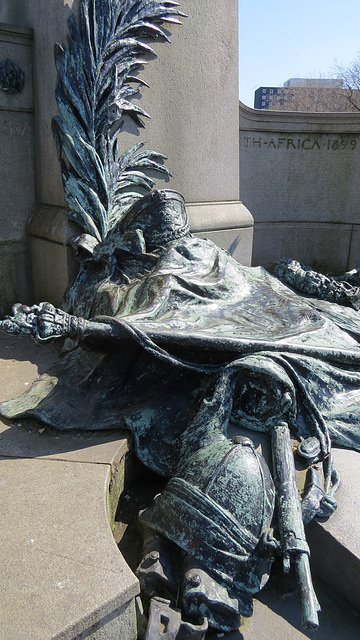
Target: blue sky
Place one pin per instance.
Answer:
(281, 39)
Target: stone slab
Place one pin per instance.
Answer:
(320, 245)
(238, 242)
(277, 617)
(228, 224)
(193, 102)
(194, 122)
(48, 590)
(17, 176)
(62, 573)
(28, 439)
(217, 216)
(15, 276)
(54, 267)
(335, 544)
(21, 360)
(300, 168)
(354, 253)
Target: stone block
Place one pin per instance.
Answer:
(54, 265)
(335, 543)
(218, 216)
(237, 242)
(63, 572)
(228, 224)
(17, 177)
(354, 253)
(63, 576)
(193, 102)
(15, 276)
(324, 247)
(53, 268)
(300, 168)
(16, 174)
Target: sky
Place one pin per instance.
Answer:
(282, 39)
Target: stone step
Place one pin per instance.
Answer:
(62, 576)
(277, 617)
(335, 543)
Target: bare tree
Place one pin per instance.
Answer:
(350, 77)
(315, 98)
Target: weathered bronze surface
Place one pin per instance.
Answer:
(169, 337)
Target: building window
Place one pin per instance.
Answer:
(271, 90)
(279, 91)
(263, 104)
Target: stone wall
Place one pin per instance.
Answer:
(299, 176)
(17, 174)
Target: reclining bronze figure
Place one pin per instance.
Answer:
(169, 337)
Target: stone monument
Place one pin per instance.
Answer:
(171, 338)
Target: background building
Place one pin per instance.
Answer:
(306, 94)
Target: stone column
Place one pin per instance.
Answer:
(193, 103)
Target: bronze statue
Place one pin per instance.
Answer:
(169, 337)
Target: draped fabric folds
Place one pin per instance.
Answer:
(191, 314)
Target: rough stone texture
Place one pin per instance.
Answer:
(62, 570)
(193, 102)
(238, 242)
(192, 83)
(17, 176)
(276, 616)
(15, 276)
(16, 173)
(324, 246)
(298, 169)
(62, 574)
(340, 566)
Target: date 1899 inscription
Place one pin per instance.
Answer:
(306, 143)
